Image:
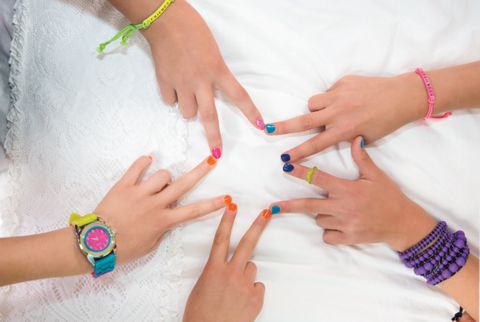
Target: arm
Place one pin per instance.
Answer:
(189, 65)
(376, 106)
(373, 209)
(127, 208)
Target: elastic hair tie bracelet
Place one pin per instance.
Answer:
(432, 98)
(129, 30)
(310, 174)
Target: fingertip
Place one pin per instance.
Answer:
(217, 152)
(260, 124)
(275, 209)
(266, 213)
(233, 207)
(270, 128)
(211, 161)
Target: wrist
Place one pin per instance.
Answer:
(165, 24)
(416, 105)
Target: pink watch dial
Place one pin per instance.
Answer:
(97, 239)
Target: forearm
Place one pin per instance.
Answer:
(464, 287)
(52, 254)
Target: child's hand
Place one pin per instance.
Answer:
(190, 68)
(369, 106)
(227, 291)
(140, 211)
(368, 210)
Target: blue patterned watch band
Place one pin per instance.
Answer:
(104, 265)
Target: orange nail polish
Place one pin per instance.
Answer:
(266, 214)
(211, 160)
(232, 207)
(227, 199)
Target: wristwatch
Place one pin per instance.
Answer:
(96, 241)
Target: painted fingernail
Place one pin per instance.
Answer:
(285, 157)
(260, 124)
(362, 143)
(287, 167)
(275, 210)
(211, 160)
(232, 207)
(270, 128)
(227, 199)
(217, 153)
(266, 214)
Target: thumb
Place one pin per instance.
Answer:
(365, 164)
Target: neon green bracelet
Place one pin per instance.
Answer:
(129, 30)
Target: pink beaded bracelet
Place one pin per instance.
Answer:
(432, 98)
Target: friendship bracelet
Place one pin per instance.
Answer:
(129, 30)
(432, 98)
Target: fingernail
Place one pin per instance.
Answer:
(211, 160)
(260, 124)
(362, 143)
(285, 157)
(150, 157)
(287, 167)
(232, 207)
(276, 209)
(227, 199)
(217, 153)
(266, 214)
(270, 128)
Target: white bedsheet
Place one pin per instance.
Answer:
(283, 52)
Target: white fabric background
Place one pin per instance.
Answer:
(92, 117)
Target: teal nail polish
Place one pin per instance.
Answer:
(275, 210)
(270, 128)
(362, 143)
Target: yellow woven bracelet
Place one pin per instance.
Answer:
(129, 30)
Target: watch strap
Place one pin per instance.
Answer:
(80, 221)
(104, 265)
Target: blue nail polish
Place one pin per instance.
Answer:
(287, 167)
(285, 157)
(275, 210)
(362, 143)
(270, 128)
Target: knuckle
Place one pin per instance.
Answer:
(209, 114)
(220, 239)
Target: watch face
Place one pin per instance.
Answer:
(96, 239)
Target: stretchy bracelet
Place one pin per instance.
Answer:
(432, 98)
(438, 256)
(129, 30)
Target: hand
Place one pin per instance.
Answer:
(369, 106)
(226, 291)
(190, 68)
(140, 211)
(368, 210)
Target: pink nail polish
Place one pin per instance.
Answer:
(260, 124)
(217, 153)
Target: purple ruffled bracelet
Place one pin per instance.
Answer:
(438, 256)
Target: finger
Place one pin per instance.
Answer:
(136, 170)
(260, 290)
(198, 209)
(328, 222)
(320, 101)
(221, 242)
(247, 244)
(177, 189)
(365, 164)
(157, 181)
(187, 104)
(208, 114)
(317, 177)
(251, 272)
(334, 237)
(298, 124)
(235, 92)
(167, 92)
(309, 206)
(316, 144)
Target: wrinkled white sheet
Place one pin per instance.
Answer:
(284, 52)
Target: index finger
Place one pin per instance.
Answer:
(235, 92)
(221, 242)
(178, 188)
(247, 244)
(209, 117)
(314, 145)
(299, 123)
